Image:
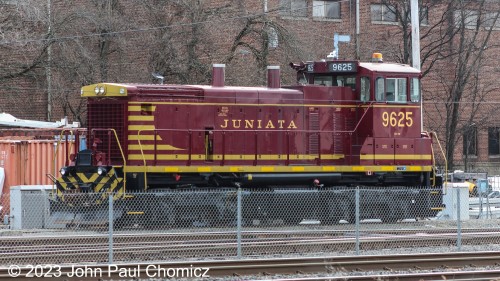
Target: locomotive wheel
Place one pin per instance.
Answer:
(291, 221)
(207, 217)
(331, 213)
(395, 212)
(388, 217)
(347, 211)
(168, 213)
(163, 214)
(230, 214)
(339, 210)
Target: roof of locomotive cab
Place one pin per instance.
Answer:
(389, 67)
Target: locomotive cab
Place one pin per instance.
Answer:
(384, 117)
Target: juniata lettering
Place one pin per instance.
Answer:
(260, 124)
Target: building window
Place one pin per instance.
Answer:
(470, 141)
(272, 36)
(424, 15)
(493, 141)
(492, 20)
(294, 8)
(326, 9)
(8, 2)
(383, 13)
(466, 18)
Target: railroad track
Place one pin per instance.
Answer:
(165, 246)
(465, 275)
(431, 266)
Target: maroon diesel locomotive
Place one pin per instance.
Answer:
(344, 124)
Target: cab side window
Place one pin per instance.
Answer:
(415, 89)
(364, 93)
(380, 89)
(347, 81)
(396, 90)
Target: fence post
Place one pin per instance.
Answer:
(459, 223)
(238, 223)
(110, 232)
(357, 220)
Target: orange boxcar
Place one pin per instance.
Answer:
(27, 162)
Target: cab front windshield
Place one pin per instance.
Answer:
(339, 80)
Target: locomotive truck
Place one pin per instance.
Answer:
(344, 124)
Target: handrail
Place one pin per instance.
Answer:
(362, 117)
(142, 153)
(288, 133)
(117, 141)
(56, 149)
(223, 133)
(121, 151)
(445, 161)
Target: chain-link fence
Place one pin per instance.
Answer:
(240, 223)
(4, 205)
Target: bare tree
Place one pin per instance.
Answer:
(463, 78)
(434, 33)
(183, 46)
(454, 46)
(198, 33)
(260, 36)
(23, 59)
(86, 41)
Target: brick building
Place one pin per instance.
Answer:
(46, 58)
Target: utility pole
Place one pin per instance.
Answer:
(358, 55)
(415, 34)
(415, 49)
(49, 62)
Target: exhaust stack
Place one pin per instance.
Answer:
(273, 76)
(218, 75)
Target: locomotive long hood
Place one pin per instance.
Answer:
(102, 90)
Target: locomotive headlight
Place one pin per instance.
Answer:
(96, 90)
(101, 90)
(101, 171)
(63, 171)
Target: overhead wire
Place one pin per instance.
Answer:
(148, 29)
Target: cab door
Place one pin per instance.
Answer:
(209, 144)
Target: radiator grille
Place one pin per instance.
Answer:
(338, 138)
(108, 115)
(313, 137)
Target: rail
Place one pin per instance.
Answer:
(431, 266)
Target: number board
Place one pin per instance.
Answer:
(342, 66)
